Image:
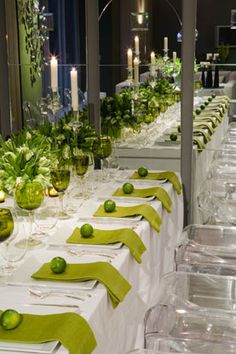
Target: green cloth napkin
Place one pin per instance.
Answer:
(104, 237)
(69, 328)
(204, 125)
(206, 119)
(214, 114)
(199, 144)
(158, 192)
(169, 175)
(117, 286)
(147, 211)
(202, 132)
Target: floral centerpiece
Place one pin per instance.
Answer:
(24, 157)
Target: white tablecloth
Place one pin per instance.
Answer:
(120, 330)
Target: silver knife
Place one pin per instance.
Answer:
(51, 304)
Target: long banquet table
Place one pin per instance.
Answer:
(116, 330)
(152, 152)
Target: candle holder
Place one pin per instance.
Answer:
(129, 74)
(54, 103)
(165, 56)
(137, 55)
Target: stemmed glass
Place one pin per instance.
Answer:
(60, 179)
(29, 196)
(12, 231)
(102, 149)
(81, 164)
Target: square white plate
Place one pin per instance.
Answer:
(88, 209)
(62, 234)
(22, 275)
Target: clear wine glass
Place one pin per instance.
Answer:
(12, 232)
(60, 179)
(29, 196)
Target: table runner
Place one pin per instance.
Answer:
(103, 237)
(117, 286)
(69, 328)
(158, 192)
(147, 211)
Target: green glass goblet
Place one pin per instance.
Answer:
(29, 196)
(81, 165)
(6, 224)
(102, 149)
(60, 179)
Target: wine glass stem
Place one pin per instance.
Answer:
(61, 201)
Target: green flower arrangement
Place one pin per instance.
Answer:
(24, 157)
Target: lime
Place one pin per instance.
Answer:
(197, 111)
(10, 319)
(86, 230)
(109, 205)
(209, 98)
(206, 103)
(173, 137)
(58, 265)
(142, 171)
(213, 95)
(128, 188)
(202, 106)
(179, 128)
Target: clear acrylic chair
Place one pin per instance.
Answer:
(207, 249)
(188, 324)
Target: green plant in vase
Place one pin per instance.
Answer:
(60, 179)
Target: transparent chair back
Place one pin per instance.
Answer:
(189, 324)
(207, 249)
(204, 292)
(171, 344)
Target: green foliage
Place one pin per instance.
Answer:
(23, 157)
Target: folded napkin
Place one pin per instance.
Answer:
(147, 211)
(202, 132)
(214, 114)
(169, 175)
(69, 328)
(104, 237)
(204, 125)
(158, 192)
(206, 119)
(117, 286)
(199, 144)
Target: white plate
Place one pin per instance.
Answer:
(22, 275)
(106, 192)
(62, 234)
(88, 209)
(42, 348)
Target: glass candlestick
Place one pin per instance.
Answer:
(54, 103)
(130, 73)
(165, 56)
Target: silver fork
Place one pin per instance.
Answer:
(45, 293)
(91, 253)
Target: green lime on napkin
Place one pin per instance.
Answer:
(202, 132)
(69, 328)
(169, 175)
(147, 211)
(199, 144)
(104, 237)
(117, 286)
(158, 192)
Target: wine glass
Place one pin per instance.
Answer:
(81, 164)
(102, 149)
(12, 231)
(46, 217)
(60, 179)
(29, 196)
